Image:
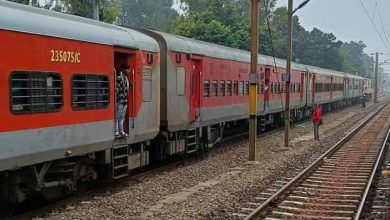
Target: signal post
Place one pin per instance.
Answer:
(253, 80)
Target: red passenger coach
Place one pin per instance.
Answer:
(205, 92)
(57, 87)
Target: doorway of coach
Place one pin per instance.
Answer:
(124, 87)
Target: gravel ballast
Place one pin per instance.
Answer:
(218, 185)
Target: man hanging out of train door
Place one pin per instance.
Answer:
(122, 92)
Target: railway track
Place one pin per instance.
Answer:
(336, 185)
(225, 144)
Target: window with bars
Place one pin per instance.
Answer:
(246, 88)
(222, 88)
(262, 88)
(206, 88)
(229, 88)
(35, 92)
(214, 88)
(90, 91)
(235, 87)
(241, 88)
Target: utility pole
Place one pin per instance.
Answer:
(253, 80)
(288, 75)
(376, 78)
(290, 13)
(95, 7)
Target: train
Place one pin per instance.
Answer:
(57, 86)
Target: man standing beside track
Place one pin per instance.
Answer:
(317, 121)
(122, 92)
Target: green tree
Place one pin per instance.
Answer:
(202, 26)
(109, 10)
(153, 14)
(230, 17)
(36, 3)
(354, 58)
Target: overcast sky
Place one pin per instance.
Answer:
(347, 20)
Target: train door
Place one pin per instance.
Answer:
(309, 89)
(195, 96)
(126, 57)
(267, 88)
(301, 86)
(345, 88)
(331, 88)
(313, 88)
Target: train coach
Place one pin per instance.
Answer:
(205, 91)
(58, 98)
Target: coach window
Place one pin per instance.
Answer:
(147, 84)
(262, 88)
(235, 88)
(180, 80)
(229, 88)
(35, 92)
(222, 88)
(246, 88)
(90, 91)
(214, 88)
(206, 88)
(241, 88)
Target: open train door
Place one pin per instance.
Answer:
(128, 57)
(301, 87)
(345, 88)
(267, 87)
(331, 88)
(196, 96)
(310, 88)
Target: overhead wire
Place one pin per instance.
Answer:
(381, 20)
(373, 23)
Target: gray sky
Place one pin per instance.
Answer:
(347, 20)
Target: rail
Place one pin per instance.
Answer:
(263, 207)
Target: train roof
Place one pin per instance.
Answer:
(188, 45)
(27, 19)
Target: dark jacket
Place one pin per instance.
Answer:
(122, 88)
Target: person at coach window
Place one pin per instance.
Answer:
(317, 121)
(122, 93)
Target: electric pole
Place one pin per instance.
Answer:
(95, 7)
(376, 78)
(288, 75)
(253, 79)
(290, 13)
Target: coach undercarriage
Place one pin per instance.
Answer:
(49, 180)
